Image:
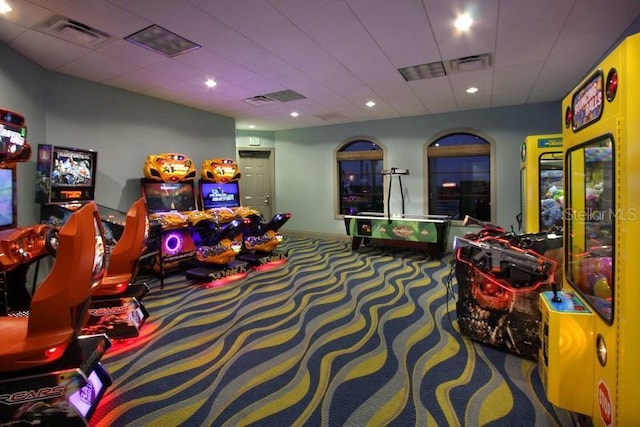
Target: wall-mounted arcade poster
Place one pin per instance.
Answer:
(65, 174)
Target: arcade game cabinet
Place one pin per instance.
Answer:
(66, 182)
(66, 179)
(116, 305)
(590, 347)
(169, 193)
(220, 195)
(542, 191)
(500, 276)
(48, 373)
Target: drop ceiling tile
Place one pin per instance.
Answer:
(239, 13)
(403, 33)
(47, 51)
(26, 13)
(104, 16)
(96, 67)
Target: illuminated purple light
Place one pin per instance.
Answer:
(172, 243)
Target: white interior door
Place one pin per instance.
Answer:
(257, 181)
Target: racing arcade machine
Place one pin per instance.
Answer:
(217, 254)
(116, 305)
(219, 188)
(590, 330)
(169, 193)
(49, 374)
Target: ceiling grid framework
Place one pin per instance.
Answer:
(336, 54)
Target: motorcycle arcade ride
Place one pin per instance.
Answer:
(220, 195)
(500, 276)
(116, 305)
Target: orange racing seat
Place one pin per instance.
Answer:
(58, 309)
(122, 265)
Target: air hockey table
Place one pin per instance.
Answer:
(420, 231)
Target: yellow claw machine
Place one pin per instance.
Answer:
(589, 360)
(542, 191)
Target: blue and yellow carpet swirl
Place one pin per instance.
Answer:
(331, 338)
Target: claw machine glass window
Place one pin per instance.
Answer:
(590, 221)
(551, 190)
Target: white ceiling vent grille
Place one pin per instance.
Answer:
(74, 32)
(285, 95)
(331, 117)
(469, 63)
(260, 100)
(275, 98)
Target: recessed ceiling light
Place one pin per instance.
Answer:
(472, 89)
(294, 114)
(210, 83)
(4, 7)
(370, 104)
(463, 22)
(251, 126)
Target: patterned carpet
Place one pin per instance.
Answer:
(331, 338)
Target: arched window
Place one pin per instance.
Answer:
(359, 166)
(460, 176)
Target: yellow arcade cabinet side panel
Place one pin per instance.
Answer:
(542, 184)
(602, 194)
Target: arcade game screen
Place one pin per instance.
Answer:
(220, 195)
(65, 174)
(7, 199)
(169, 196)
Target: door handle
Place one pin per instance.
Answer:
(266, 200)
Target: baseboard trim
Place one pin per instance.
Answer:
(316, 235)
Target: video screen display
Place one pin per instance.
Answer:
(72, 168)
(7, 199)
(65, 174)
(169, 196)
(220, 195)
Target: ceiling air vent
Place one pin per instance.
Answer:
(285, 96)
(470, 63)
(330, 116)
(275, 97)
(260, 100)
(72, 31)
(423, 71)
